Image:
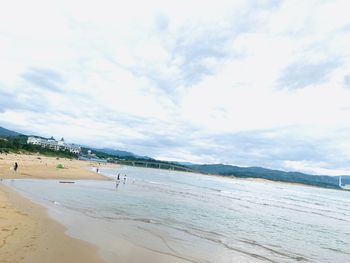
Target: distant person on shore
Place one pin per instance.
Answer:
(116, 184)
(124, 178)
(118, 177)
(15, 167)
(97, 170)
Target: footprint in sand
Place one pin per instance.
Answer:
(21, 213)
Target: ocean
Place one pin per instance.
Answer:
(197, 218)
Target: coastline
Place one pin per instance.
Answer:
(80, 223)
(27, 233)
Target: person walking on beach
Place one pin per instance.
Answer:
(15, 167)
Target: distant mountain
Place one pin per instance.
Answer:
(116, 152)
(6, 132)
(184, 163)
(345, 179)
(220, 169)
(120, 153)
(274, 175)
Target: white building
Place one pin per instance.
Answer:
(35, 140)
(53, 144)
(61, 142)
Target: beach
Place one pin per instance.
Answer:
(42, 167)
(27, 233)
(163, 216)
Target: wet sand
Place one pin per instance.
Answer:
(27, 234)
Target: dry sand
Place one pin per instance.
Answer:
(41, 167)
(27, 234)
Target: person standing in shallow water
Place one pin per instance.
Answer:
(116, 184)
(124, 178)
(15, 167)
(117, 181)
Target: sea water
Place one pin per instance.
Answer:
(199, 218)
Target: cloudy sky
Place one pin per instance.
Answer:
(251, 83)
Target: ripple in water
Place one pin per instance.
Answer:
(205, 219)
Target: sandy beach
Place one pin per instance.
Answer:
(161, 216)
(41, 167)
(27, 233)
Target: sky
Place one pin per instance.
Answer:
(249, 83)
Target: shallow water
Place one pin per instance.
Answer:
(201, 218)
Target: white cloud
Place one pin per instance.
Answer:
(313, 168)
(183, 80)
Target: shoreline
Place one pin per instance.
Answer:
(29, 235)
(27, 232)
(105, 251)
(101, 239)
(251, 179)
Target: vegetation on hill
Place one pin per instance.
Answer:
(118, 153)
(105, 155)
(5, 132)
(274, 175)
(18, 144)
